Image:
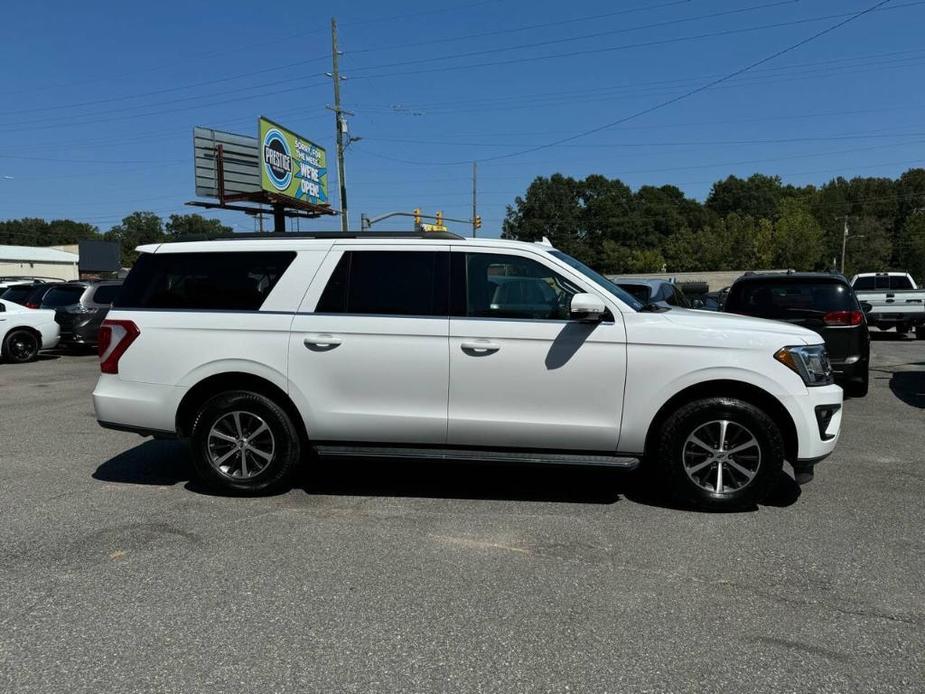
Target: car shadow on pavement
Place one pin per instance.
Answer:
(159, 463)
(166, 463)
(909, 386)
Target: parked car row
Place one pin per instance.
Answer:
(76, 309)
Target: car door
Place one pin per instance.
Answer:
(522, 373)
(368, 349)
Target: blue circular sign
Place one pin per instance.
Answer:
(277, 160)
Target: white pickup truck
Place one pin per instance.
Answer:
(896, 301)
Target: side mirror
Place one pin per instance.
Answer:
(587, 307)
(697, 303)
(866, 306)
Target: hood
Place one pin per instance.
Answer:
(728, 323)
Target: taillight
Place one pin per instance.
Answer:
(115, 336)
(31, 304)
(843, 318)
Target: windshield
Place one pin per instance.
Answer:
(597, 277)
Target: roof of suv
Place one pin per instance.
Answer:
(302, 241)
(791, 277)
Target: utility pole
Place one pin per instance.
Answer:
(341, 127)
(475, 229)
(844, 242)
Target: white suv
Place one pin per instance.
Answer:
(263, 349)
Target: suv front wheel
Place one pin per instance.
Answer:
(721, 453)
(244, 442)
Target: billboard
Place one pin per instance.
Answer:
(292, 166)
(240, 165)
(99, 256)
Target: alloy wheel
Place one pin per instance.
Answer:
(241, 445)
(721, 456)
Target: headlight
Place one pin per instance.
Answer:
(811, 362)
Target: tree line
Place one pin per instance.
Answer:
(751, 223)
(744, 224)
(134, 230)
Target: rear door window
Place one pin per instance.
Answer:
(389, 283)
(64, 295)
(231, 281)
(790, 300)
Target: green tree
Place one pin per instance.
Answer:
(551, 207)
(870, 246)
(180, 225)
(756, 196)
(136, 229)
(910, 247)
(798, 238)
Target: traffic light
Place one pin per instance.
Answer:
(439, 219)
(478, 222)
(417, 216)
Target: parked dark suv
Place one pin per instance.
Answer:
(819, 301)
(28, 294)
(80, 308)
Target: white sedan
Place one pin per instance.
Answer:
(25, 331)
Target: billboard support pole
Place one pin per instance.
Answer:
(279, 217)
(340, 123)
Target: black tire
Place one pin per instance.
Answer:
(766, 465)
(858, 388)
(920, 332)
(282, 442)
(20, 346)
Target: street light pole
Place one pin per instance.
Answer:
(844, 243)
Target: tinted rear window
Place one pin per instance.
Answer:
(233, 281)
(17, 295)
(106, 293)
(783, 300)
(65, 295)
(882, 282)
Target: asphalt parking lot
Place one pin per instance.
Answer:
(118, 574)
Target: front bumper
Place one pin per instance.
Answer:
(815, 442)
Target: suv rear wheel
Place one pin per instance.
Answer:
(244, 442)
(721, 453)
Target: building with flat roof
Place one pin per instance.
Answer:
(36, 261)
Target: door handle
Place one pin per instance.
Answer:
(480, 346)
(321, 340)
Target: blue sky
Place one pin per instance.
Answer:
(98, 100)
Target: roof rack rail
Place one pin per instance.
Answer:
(444, 235)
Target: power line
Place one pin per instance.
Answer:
(238, 48)
(570, 39)
(193, 85)
(609, 49)
(681, 97)
(606, 94)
